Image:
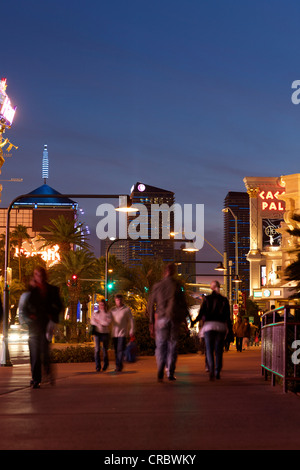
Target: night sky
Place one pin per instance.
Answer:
(189, 96)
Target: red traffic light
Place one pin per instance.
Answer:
(74, 280)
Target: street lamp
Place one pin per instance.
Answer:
(190, 247)
(118, 239)
(126, 205)
(114, 240)
(220, 267)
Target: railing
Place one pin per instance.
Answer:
(280, 346)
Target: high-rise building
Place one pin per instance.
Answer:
(118, 249)
(186, 266)
(147, 229)
(238, 202)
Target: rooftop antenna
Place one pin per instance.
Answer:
(45, 165)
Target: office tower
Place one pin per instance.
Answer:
(118, 249)
(238, 202)
(151, 225)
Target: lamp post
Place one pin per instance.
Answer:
(236, 278)
(106, 264)
(124, 203)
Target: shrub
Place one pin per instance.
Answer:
(187, 343)
(73, 354)
(145, 344)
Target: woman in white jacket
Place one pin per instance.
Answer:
(101, 320)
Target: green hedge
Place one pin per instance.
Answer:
(187, 344)
(72, 354)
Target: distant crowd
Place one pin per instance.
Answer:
(41, 306)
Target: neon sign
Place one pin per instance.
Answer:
(7, 112)
(49, 255)
(271, 201)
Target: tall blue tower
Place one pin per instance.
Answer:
(45, 164)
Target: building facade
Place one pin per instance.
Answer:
(273, 202)
(35, 214)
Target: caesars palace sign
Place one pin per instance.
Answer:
(270, 201)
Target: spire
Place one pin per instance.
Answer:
(45, 165)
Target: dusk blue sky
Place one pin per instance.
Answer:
(190, 96)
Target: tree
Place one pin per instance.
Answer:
(292, 272)
(64, 233)
(139, 280)
(18, 236)
(16, 289)
(81, 263)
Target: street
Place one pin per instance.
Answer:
(131, 411)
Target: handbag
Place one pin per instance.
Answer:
(50, 330)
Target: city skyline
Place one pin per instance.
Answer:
(187, 96)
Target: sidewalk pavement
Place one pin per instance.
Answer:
(112, 411)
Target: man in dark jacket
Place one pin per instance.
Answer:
(42, 308)
(167, 309)
(215, 312)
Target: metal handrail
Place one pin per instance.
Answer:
(280, 328)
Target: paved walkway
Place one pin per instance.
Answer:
(131, 411)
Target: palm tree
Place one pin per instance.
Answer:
(16, 289)
(141, 279)
(292, 272)
(18, 235)
(138, 281)
(80, 263)
(64, 233)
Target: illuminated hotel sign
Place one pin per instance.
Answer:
(51, 255)
(7, 112)
(271, 201)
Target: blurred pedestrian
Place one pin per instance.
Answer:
(252, 333)
(215, 312)
(101, 320)
(39, 309)
(256, 340)
(122, 327)
(131, 350)
(1, 310)
(22, 302)
(238, 329)
(168, 310)
(229, 338)
(246, 334)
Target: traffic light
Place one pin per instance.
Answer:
(110, 286)
(240, 299)
(74, 280)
